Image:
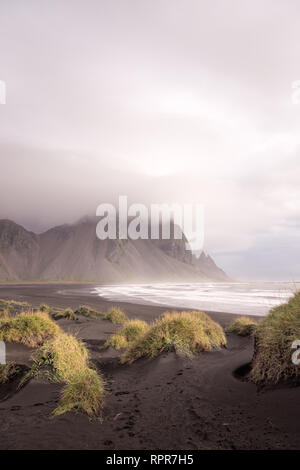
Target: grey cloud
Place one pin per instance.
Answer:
(169, 101)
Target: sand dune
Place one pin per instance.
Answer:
(165, 403)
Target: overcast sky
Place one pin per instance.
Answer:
(164, 101)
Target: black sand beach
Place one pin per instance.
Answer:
(164, 403)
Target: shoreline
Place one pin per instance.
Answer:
(54, 295)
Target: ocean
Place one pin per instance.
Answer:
(250, 298)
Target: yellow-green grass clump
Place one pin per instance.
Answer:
(187, 333)
(126, 335)
(8, 372)
(12, 306)
(45, 308)
(242, 326)
(83, 392)
(63, 353)
(88, 312)
(68, 359)
(5, 313)
(66, 314)
(116, 315)
(31, 329)
(274, 337)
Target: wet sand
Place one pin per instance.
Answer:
(165, 403)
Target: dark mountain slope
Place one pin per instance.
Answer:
(74, 253)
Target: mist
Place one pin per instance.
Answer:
(187, 102)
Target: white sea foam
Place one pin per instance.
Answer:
(239, 298)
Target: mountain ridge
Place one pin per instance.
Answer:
(72, 252)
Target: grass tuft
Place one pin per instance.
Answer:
(8, 372)
(12, 306)
(66, 314)
(83, 392)
(187, 333)
(242, 326)
(61, 356)
(67, 359)
(274, 336)
(45, 308)
(31, 329)
(88, 312)
(116, 315)
(5, 313)
(126, 335)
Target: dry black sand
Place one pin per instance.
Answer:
(166, 403)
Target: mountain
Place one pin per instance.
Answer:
(207, 264)
(74, 253)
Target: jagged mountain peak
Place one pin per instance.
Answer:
(72, 252)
